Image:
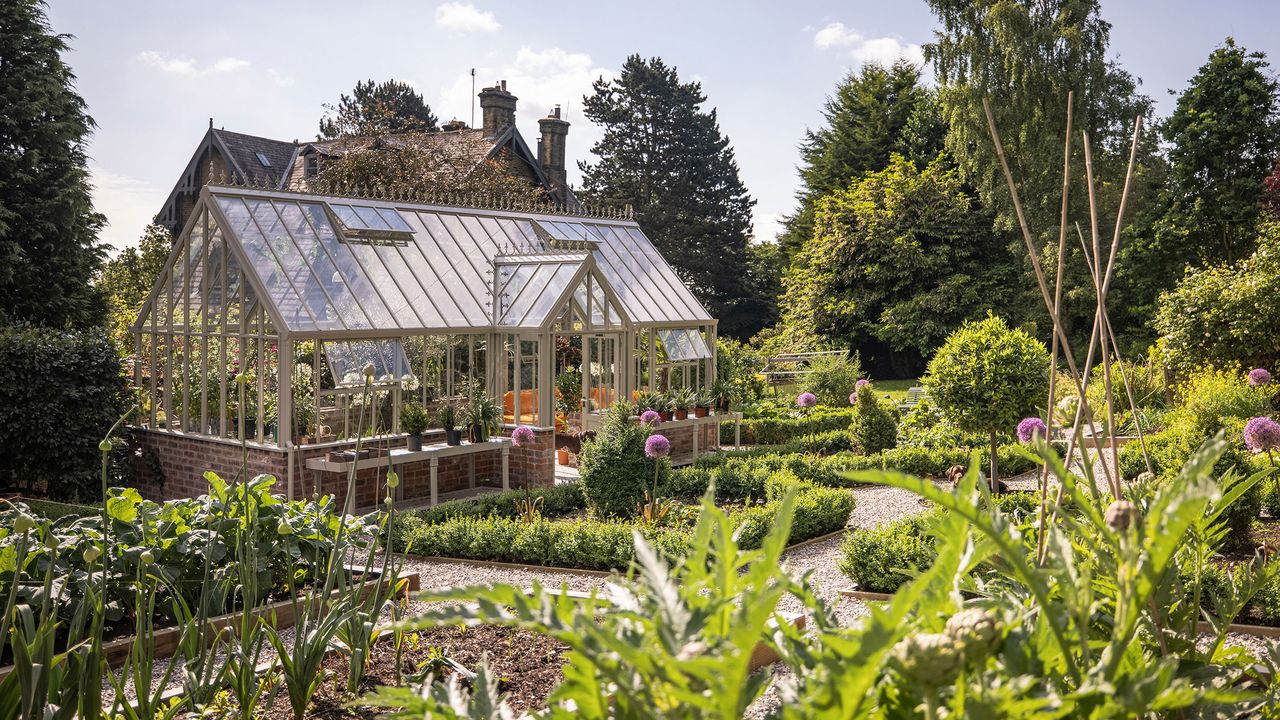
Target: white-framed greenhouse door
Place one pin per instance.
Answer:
(601, 377)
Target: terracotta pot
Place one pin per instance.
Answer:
(682, 414)
(700, 411)
(665, 415)
(562, 456)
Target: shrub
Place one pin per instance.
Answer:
(833, 378)
(63, 392)
(614, 469)
(782, 430)
(875, 425)
(924, 426)
(986, 377)
(880, 559)
(556, 500)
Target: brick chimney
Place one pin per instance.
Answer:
(551, 150)
(498, 107)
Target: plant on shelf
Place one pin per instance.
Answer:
(702, 404)
(722, 393)
(414, 420)
(681, 401)
(569, 391)
(448, 415)
(481, 415)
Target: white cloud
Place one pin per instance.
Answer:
(541, 79)
(883, 50)
(768, 226)
(128, 203)
(182, 65)
(279, 78)
(464, 17)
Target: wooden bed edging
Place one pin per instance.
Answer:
(166, 640)
(866, 595)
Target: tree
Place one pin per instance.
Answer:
(414, 164)
(986, 377)
(897, 261)
(1024, 56)
(1223, 139)
(385, 108)
(665, 156)
(1225, 315)
(49, 249)
(127, 279)
(875, 112)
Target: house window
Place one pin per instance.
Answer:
(309, 165)
(266, 162)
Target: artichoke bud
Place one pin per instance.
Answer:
(975, 631)
(931, 659)
(1122, 515)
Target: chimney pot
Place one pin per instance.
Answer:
(498, 108)
(551, 151)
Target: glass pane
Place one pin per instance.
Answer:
(347, 361)
(371, 218)
(325, 291)
(392, 218)
(683, 344)
(347, 271)
(273, 278)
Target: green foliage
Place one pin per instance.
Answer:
(414, 419)
(737, 370)
(384, 108)
(883, 558)
(615, 471)
(875, 424)
(986, 377)
(697, 212)
(126, 281)
(1224, 315)
(832, 378)
(924, 426)
(876, 112)
(1222, 139)
(898, 260)
(569, 387)
(1024, 57)
(49, 249)
(773, 427)
(554, 501)
(65, 389)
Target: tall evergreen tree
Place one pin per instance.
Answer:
(876, 112)
(49, 249)
(127, 279)
(1223, 137)
(1024, 56)
(665, 156)
(384, 108)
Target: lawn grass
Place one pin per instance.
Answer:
(895, 389)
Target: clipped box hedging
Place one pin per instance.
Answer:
(782, 430)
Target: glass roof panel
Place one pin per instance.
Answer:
(680, 291)
(347, 360)
(456, 271)
(684, 344)
(531, 296)
(629, 278)
(330, 299)
(371, 219)
(256, 248)
(349, 280)
(392, 218)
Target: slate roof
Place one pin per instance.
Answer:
(242, 151)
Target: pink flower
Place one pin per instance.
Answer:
(1259, 376)
(657, 446)
(650, 417)
(1262, 434)
(1031, 428)
(807, 400)
(861, 384)
(853, 398)
(522, 436)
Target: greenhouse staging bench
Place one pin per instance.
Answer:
(410, 465)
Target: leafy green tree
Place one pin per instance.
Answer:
(875, 112)
(1224, 315)
(665, 156)
(1024, 56)
(1223, 138)
(986, 377)
(127, 279)
(384, 108)
(49, 249)
(898, 260)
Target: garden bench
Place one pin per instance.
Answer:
(914, 396)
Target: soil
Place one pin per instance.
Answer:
(528, 665)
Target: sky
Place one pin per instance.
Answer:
(154, 73)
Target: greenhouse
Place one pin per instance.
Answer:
(273, 305)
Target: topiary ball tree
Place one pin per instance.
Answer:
(873, 427)
(986, 377)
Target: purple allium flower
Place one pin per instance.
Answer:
(861, 384)
(1262, 434)
(650, 417)
(1259, 376)
(1030, 428)
(807, 400)
(657, 446)
(522, 435)
(853, 398)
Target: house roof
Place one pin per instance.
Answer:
(340, 268)
(242, 153)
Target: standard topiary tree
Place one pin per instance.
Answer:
(874, 427)
(986, 377)
(614, 468)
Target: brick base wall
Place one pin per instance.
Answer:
(534, 464)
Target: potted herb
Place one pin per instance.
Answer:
(413, 420)
(701, 405)
(449, 421)
(562, 455)
(481, 415)
(681, 401)
(662, 404)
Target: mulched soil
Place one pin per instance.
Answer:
(529, 666)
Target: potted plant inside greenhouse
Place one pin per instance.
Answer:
(481, 415)
(681, 401)
(413, 420)
(449, 421)
(702, 405)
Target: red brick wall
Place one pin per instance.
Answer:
(534, 464)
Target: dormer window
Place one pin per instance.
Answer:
(262, 158)
(309, 165)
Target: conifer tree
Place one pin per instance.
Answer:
(876, 112)
(384, 108)
(49, 249)
(666, 157)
